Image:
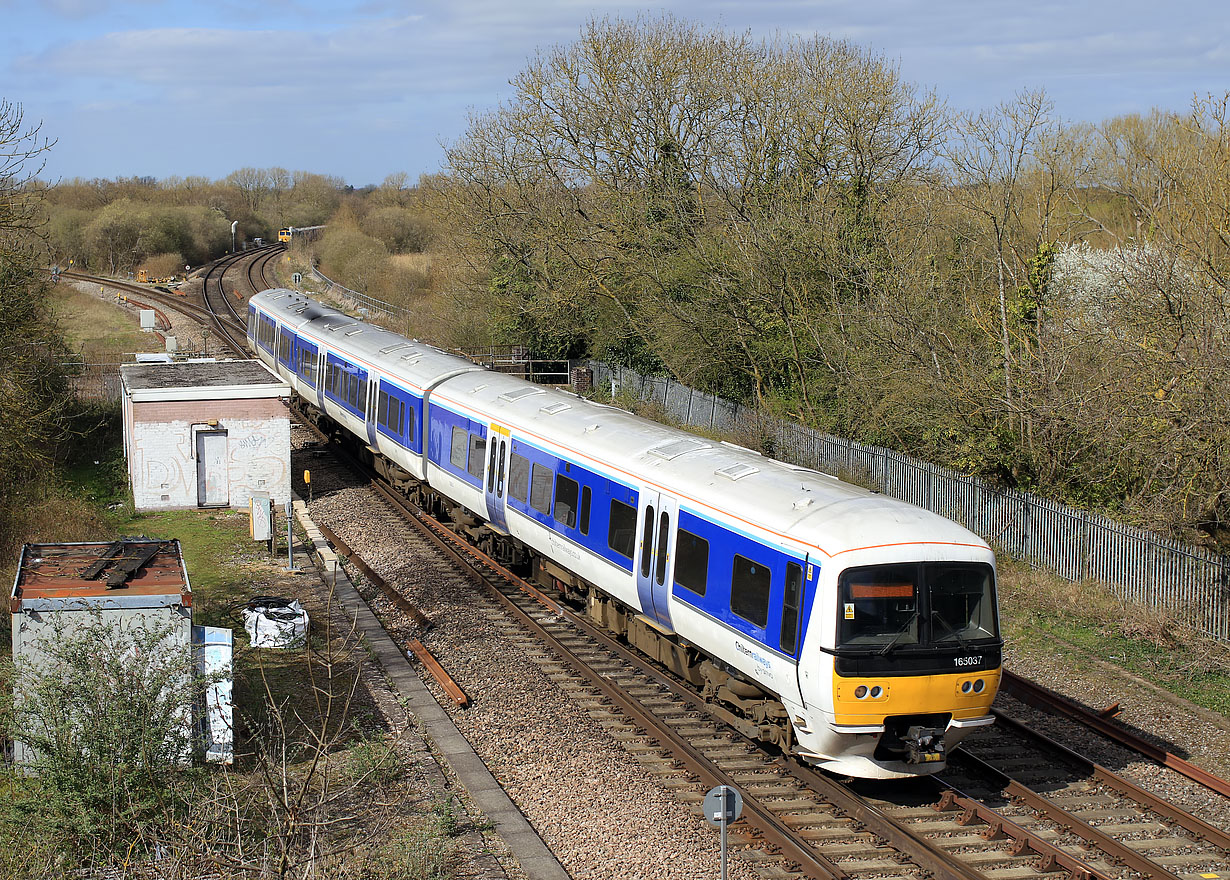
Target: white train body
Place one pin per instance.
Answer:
(871, 621)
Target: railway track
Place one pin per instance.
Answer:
(978, 821)
(226, 304)
(217, 312)
(1012, 804)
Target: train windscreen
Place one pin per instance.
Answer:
(932, 604)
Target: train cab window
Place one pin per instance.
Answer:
(910, 604)
(749, 590)
(962, 604)
(519, 477)
(791, 602)
(252, 323)
(647, 542)
(460, 448)
(878, 606)
(478, 451)
(691, 562)
(585, 502)
(540, 489)
(566, 490)
(664, 536)
(621, 534)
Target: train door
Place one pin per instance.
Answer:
(498, 441)
(655, 552)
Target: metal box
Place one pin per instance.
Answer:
(135, 582)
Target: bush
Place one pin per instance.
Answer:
(103, 713)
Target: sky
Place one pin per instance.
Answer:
(361, 89)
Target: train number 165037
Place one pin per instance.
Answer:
(966, 661)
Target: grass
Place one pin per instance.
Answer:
(1041, 612)
(104, 330)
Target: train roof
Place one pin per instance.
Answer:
(418, 362)
(797, 504)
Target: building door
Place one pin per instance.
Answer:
(212, 483)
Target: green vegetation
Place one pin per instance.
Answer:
(310, 747)
(100, 329)
(1052, 617)
(790, 222)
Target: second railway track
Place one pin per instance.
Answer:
(802, 822)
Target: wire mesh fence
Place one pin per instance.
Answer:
(1190, 582)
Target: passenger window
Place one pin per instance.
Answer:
(664, 533)
(691, 562)
(518, 477)
(478, 450)
(540, 489)
(621, 533)
(460, 448)
(585, 493)
(749, 590)
(790, 607)
(566, 490)
(647, 542)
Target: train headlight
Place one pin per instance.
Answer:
(966, 686)
(860, 691)
(979, 685)
(876, 691)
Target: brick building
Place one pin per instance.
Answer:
(205, 434)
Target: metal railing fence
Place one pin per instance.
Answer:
(360, 299)
(1189, 582)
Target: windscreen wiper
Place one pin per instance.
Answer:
(935, 615)
(883, 652)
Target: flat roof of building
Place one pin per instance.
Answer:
(202, 380)
(135, 572)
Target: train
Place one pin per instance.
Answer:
(284, 234)
(855, 631)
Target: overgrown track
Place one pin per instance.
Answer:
(218, 313)
(143, 295)
(975, 822)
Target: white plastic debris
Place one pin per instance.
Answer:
(274, 622)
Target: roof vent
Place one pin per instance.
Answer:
(737, 471)
(676, 448)
(519, 393)
(478, 388)
(552, 408)
(353, 332)
(803, 503)
(389, 349)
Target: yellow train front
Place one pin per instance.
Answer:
(910, 664)
(284, 234)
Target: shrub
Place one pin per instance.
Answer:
(104, 713)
